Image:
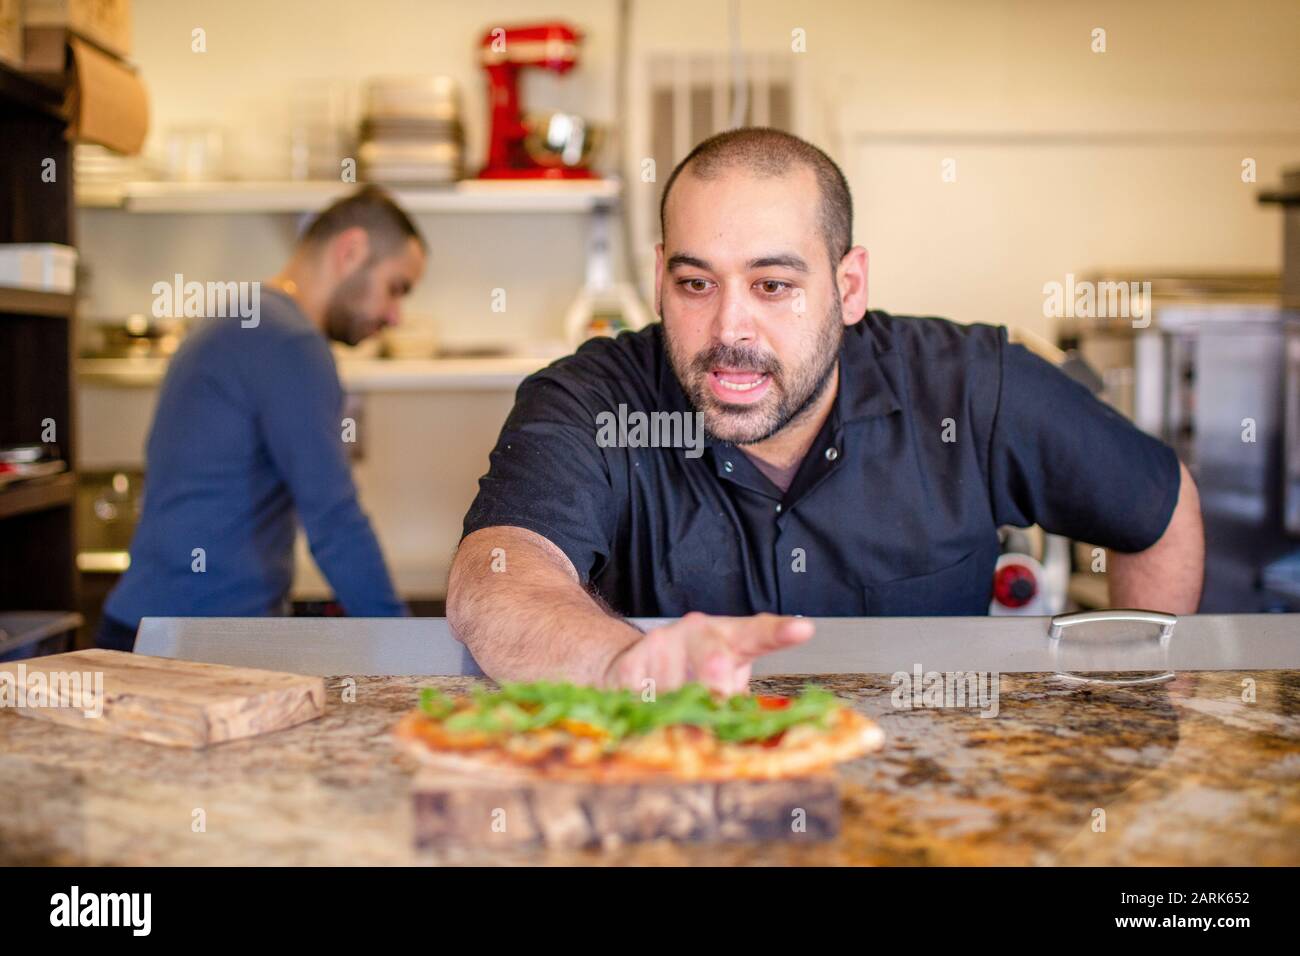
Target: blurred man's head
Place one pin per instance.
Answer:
(756, 279)
(369, 254)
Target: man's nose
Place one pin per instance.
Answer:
(734, 321)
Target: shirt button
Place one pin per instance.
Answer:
(778, 509)
(728, 467)
(832, 453)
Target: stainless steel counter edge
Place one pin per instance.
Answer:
(426, 646)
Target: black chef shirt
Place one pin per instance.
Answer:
(940, 433)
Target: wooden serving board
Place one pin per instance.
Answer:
(455, 810)
(165, 701)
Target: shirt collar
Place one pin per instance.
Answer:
(867, 366)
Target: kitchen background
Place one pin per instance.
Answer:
(1145, 162)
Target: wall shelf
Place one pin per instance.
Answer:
(466, 196)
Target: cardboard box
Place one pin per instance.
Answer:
(11, 33)
(105, 100)
(105, 23)
(107, 104)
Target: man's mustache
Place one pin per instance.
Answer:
(737, 359)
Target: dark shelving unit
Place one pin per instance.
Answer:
(37, 330)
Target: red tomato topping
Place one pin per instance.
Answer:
(773, 703)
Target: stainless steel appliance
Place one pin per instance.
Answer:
(1207, 375)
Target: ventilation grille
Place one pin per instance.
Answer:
(692, 96)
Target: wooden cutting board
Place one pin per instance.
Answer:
(459, 810)
(160, 700)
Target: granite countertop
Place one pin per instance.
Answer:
(1185, 772)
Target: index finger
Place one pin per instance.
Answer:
(751, 637)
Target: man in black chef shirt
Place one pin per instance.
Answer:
(852, 464)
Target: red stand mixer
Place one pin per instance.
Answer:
(532, 146)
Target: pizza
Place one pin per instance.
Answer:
(556, 731)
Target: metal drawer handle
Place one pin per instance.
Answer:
(1137, 615)
(1166, 621)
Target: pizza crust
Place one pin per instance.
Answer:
(681, 753)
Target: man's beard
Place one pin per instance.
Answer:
(344, 320)
(793, 391)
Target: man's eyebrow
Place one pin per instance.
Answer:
(785, 260)
(681, 259)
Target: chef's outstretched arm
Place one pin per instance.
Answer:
(529, 618)
(1168, 575)
(515, 600)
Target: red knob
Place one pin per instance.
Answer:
(1014, 585)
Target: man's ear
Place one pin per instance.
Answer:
(659, 277)
(349, 250)
(851, 279)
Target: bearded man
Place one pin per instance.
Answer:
(855, 463)
(248, 437)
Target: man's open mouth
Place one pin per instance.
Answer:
(737, 386)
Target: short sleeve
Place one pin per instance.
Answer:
(548, 475)
(1064, 460)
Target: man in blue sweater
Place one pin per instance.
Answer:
(250, 432)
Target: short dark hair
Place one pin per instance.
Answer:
(374, 210)
(773, 152)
